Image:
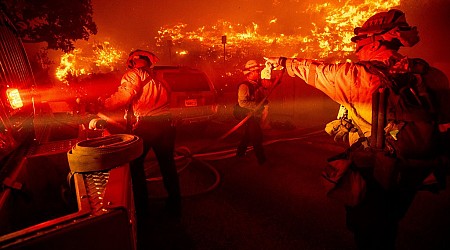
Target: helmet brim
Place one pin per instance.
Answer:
(151, 57)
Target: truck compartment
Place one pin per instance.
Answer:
(41, 209)
(35, 192)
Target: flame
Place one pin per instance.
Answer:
(325, 38)
(106, 55)
(103, 58)
(66, 65)
(183, 52)
(341, 20)
(329, 37)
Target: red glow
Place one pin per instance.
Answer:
(14, 98)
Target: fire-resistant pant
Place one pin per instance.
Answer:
(158, 133)
(252, 134)
(374, 222)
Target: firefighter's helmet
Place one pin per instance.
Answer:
(386, 26)
(252, 65)
(141, 54)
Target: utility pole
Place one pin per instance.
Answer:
(169, 45)
(224, 42)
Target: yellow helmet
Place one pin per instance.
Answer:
(251, 65)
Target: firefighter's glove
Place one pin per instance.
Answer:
(266, 73)
(340, 129)
(276, 62)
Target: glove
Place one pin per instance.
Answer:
(276, 62)
(266, 73)
(340, 129)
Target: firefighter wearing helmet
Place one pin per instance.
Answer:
(147, 100)
(386, 27)
(374, 212)
(251, 98)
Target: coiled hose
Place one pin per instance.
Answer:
(103, 153)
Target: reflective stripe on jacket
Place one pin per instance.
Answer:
(349, 84)
(250, 94)
(150, 97)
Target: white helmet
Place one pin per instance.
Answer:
(141, 54)
(252, 65)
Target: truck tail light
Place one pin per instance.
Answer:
(14, 98)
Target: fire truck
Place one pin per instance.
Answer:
(42, 204)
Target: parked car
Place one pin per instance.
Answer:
(193, 97)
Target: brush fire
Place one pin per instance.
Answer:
(325, 37)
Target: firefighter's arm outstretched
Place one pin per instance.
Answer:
(349, 84)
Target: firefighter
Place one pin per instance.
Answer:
(250, 93)
(375, 218)
(147, 101)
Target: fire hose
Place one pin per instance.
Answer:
(250, 114)
(187, 154)
(203, 158)
(104, 153)
(107, 152)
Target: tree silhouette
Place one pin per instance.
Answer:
(59, 23)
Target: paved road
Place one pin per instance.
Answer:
(234, 203)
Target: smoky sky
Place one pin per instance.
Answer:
(134, 22)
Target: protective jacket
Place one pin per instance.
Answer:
(349, 84)
(250, 94)
(149, 97)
